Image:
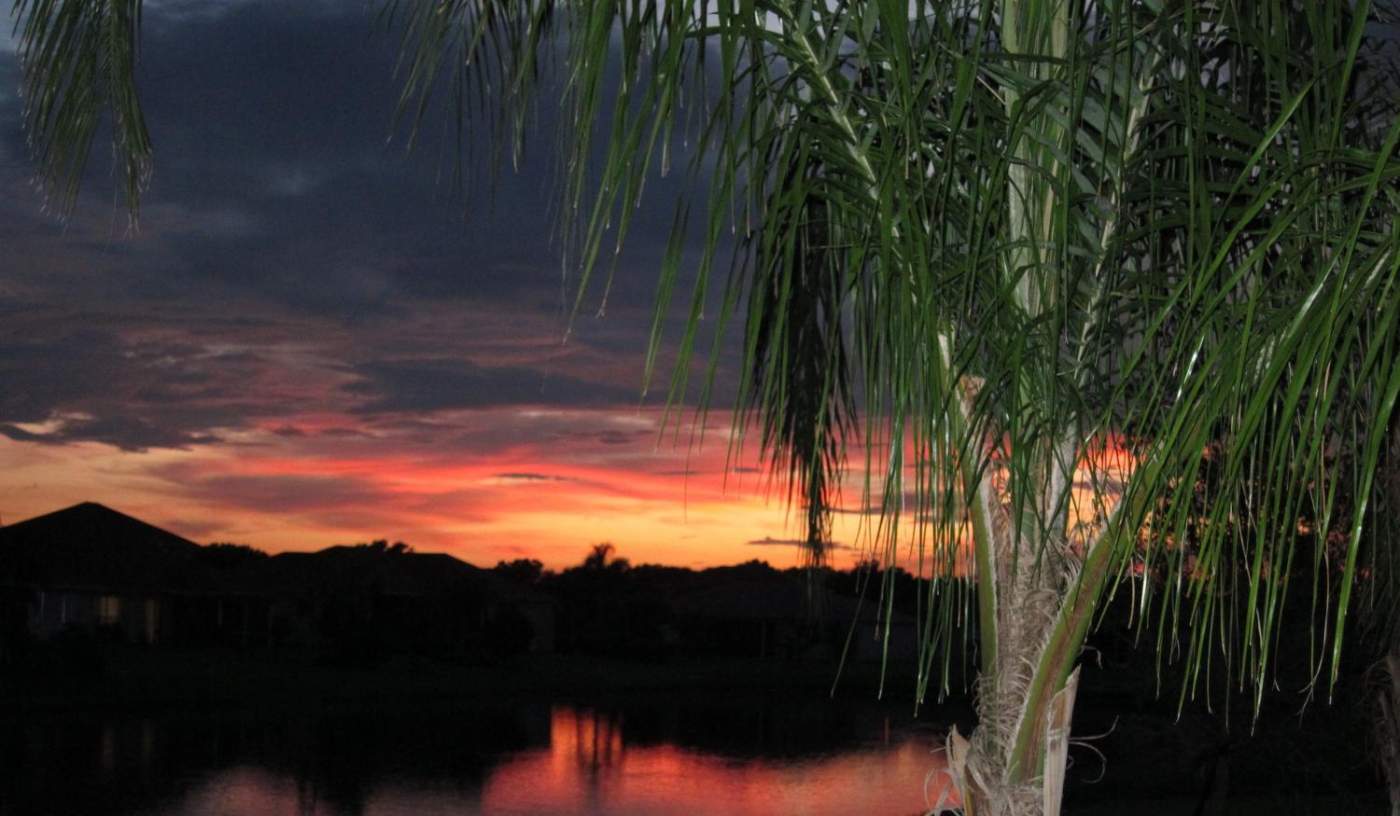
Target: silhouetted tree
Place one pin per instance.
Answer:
(602, 557)
(597, 558)
(383, 547)
(223, 554)
(528, 571)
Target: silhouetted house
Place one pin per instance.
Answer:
(92, 569)
(88, 567)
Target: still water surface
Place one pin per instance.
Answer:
(663, 758)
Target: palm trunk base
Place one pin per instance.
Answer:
(988, 797)
(1022, 800)
(990, 793)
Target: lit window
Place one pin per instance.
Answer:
(109, 610)
(152, 620)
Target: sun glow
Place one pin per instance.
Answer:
(302, 483)
(488, 485)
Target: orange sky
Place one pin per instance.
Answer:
(549, 496)
(564, 480)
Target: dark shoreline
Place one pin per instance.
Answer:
(1319, 762)
(218, 678)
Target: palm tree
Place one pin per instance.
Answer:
(1051, 264)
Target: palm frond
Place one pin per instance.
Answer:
(78, 59)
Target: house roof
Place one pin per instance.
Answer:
(89, 546)
(95, 548)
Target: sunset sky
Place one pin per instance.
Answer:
(311, 340)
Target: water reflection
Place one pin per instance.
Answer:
(590, 769)
(662, 759)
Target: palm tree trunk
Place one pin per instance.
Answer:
(990, 783)
(1014, 763)
(1030, 615)
(984, 794)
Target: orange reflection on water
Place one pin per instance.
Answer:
(589, 771)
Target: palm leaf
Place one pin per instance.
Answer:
(79, 65)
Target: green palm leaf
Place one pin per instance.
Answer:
(79, 65)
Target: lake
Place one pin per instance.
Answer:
(660, 757)
(660, 754)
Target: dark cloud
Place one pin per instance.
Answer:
(126, 433)
(620, 437)
(20, 435)
(344, 433)
(277, 178)
(555, 430)
(283, 216)
(93, 385)
(427, 385)
(531, 477)
(611, 437)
